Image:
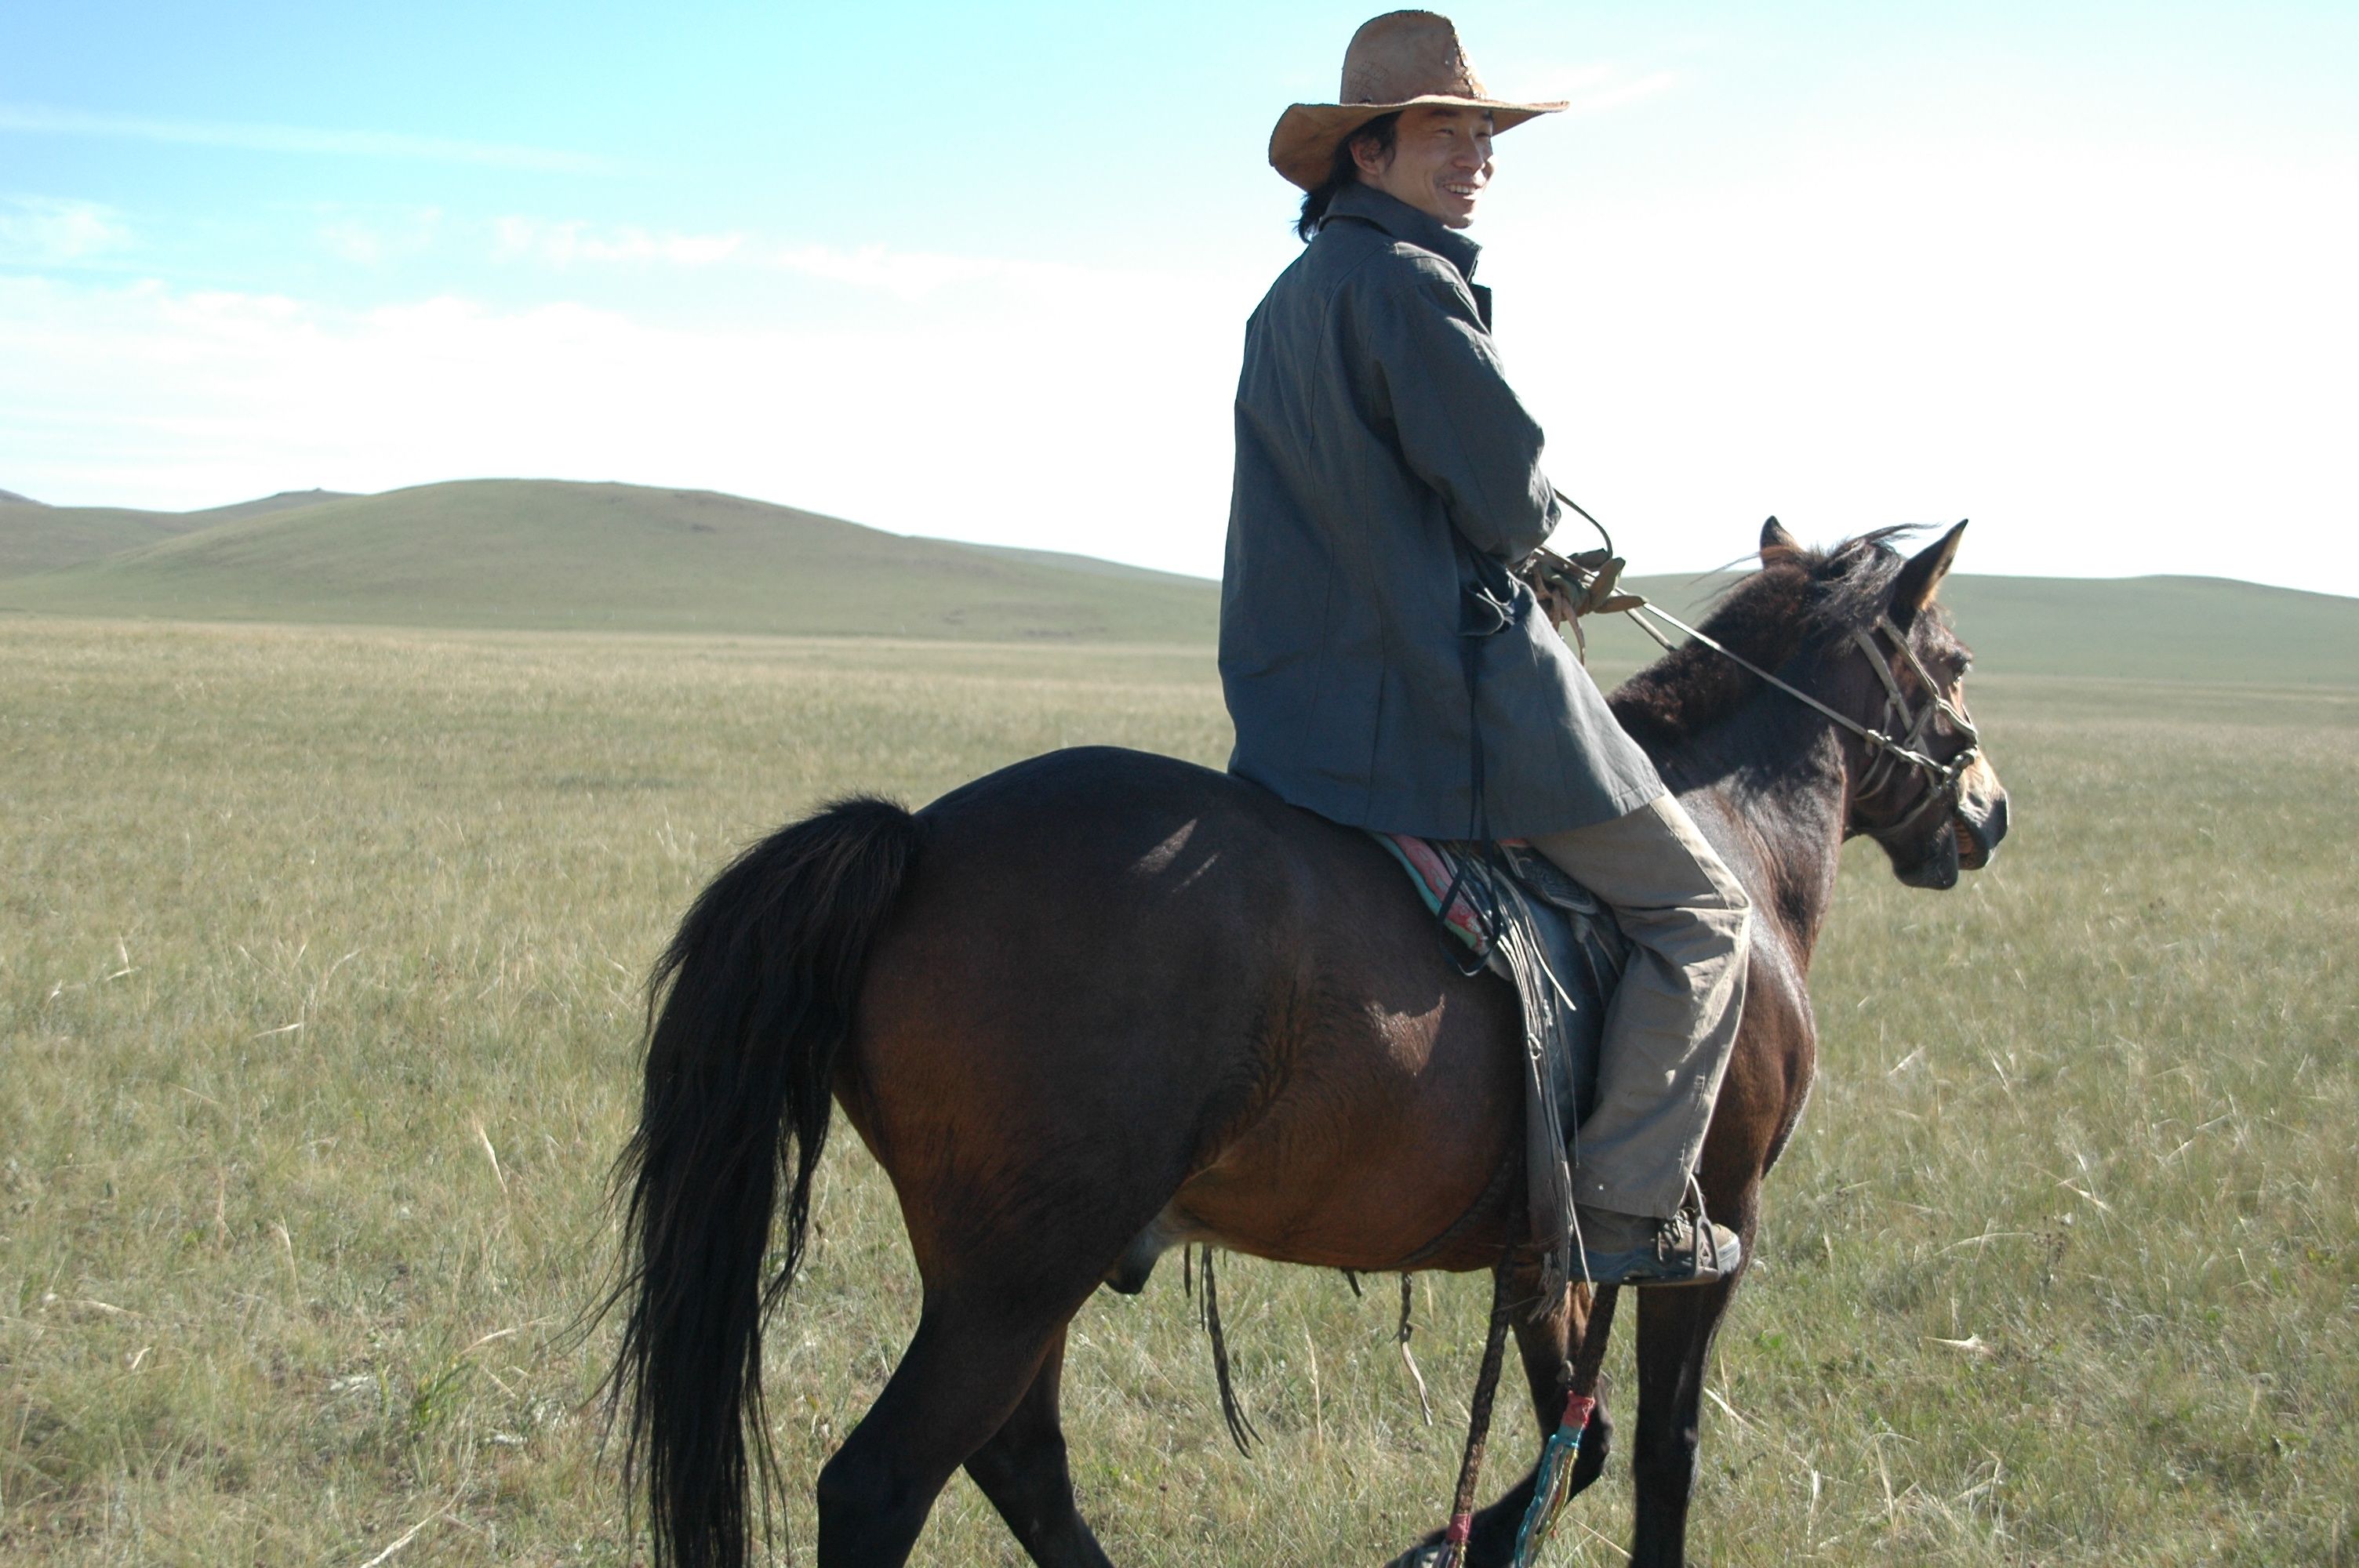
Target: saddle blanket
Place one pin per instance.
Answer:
(1560, 948)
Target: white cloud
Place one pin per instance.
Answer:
(904, 274)
(304, 139)
(998, 425)
(353, 241)
(564, 243)
(1591, 88)
(37, 231)
(2115, 362)
(1601, 90)
(370, 239)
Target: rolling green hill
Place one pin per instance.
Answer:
(531, 554)
(37, 539)
(285, 501)
(2146, 628)
(538, 553)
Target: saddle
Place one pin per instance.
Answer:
(1520, 917)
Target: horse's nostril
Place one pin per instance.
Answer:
(1978, 840)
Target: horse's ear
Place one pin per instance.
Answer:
(1776, 543)
(1914, 589)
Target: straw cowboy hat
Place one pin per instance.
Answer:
(1397, 60)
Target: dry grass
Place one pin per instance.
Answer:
(319, 968)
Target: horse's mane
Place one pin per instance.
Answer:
(1801, 601)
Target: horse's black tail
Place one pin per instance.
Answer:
(756, 993)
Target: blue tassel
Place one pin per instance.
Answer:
(1553, 1484)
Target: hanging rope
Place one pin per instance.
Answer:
(1478, 1426)
(1424, 1401)
(1241, 1431)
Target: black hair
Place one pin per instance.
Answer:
(1343, 169)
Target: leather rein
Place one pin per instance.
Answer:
(1591, 584)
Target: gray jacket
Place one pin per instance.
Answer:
(1385, 477)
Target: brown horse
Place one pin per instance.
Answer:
(1102, 1003)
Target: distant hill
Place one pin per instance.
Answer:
(34, 537)
(37, 539)
(2145, 628)
(554, 555)
(545, 554)
(285, 501)
(2159, 628)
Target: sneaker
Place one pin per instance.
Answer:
(1633, 1250)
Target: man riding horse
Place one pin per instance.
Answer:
(1102, 1004)
(1376, 649)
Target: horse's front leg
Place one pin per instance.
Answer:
(1548, 1338)
(1675, 1330)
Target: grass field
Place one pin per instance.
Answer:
(319, 953)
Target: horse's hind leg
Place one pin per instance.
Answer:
(967, 1370)
(1022, 1471)
(1547, 1342)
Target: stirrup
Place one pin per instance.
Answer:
(1687, 1249)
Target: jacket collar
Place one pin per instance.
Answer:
(1402, 222)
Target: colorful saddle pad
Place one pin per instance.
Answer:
(1560, 948)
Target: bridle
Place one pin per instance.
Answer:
(1895, 742)
(1944, 781)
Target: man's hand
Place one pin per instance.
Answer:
(1559, 605)
(1556, 588)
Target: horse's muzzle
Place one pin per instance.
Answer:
(1978, 838)
(1937, 869)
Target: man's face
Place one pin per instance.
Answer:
(1440, 161)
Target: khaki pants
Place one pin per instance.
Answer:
(1673, 1019)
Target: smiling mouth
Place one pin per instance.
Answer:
(1463, 192)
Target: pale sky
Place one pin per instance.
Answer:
(2082, 272)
